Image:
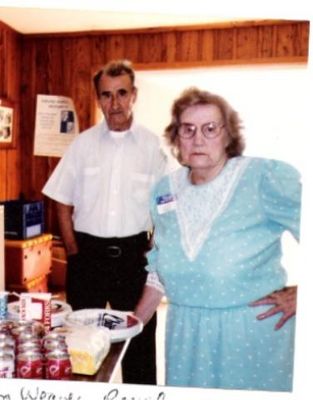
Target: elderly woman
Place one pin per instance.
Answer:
(217, 254)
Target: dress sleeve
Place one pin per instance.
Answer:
(281, 195)
(161, 164)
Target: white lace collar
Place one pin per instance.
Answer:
(198, 206)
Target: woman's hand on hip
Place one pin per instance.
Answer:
(284, 301)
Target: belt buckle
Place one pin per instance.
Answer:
(114, 251)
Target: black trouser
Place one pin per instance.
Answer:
(113, 270)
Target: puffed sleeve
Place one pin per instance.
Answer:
(281, 195)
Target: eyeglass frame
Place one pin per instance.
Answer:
(217, 128)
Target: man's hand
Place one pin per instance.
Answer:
(284, 301)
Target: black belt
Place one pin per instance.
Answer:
(114, 247)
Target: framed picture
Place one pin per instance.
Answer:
(7, 123)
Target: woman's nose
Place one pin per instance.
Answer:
(198, 138)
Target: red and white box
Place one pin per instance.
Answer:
(36, 306)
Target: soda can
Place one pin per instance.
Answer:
(29, 365)
(58, 365)
(27, 336)
(18, 330)
(7, 339)
(6, 325)
(3, 305)
(6, 365)
(53, 336)
(21, 322)
(4, 335)
(6, 348)
(54, 344)
(29, 325)
(28, 345)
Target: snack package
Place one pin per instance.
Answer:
(36, 306)
(88, 346)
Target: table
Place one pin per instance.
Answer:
(109, 367)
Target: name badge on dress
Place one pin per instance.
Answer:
(166, 203)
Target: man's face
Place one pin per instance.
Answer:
(116, 99)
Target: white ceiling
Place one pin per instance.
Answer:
(34, 20)
(38, 16)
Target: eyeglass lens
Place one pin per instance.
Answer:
(209, 130)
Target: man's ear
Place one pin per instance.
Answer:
(98, 102)
(135, 93)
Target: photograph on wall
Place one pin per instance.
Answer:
(6, 122)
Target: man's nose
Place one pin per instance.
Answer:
(114, 102)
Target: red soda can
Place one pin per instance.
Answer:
(54, 344)
(6, 365)
(58, 365)
(4, 335)
(7, 348)
(22, 323)
(26, 336)
(18, 330)
(28, 345)
(54, 336)
(29, 365)
(6, 326)
(7, 338)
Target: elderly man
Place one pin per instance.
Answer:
(101, 187)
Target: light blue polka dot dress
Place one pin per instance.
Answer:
(218, 248)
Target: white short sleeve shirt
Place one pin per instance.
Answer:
(108, 180)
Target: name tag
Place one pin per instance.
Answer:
(166, 203)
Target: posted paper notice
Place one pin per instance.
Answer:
(56, 125)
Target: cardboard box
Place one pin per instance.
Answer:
(28, 259)
(59, 265)
(36, 306)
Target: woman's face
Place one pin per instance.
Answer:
(205, 155)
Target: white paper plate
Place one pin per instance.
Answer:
(122, 324)
(59, 310)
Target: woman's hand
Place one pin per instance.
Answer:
(284, 301)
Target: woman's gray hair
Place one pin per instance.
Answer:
(194, 96)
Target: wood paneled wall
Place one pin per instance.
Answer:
(10, 78)
(63, 64)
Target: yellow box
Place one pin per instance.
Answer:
(27, 259)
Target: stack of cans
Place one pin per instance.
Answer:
(7, 350)
(57, 359)
(26, 354)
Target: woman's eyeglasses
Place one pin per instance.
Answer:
(209, 130)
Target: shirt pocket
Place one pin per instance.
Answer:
(141, 184)
(91, 178)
